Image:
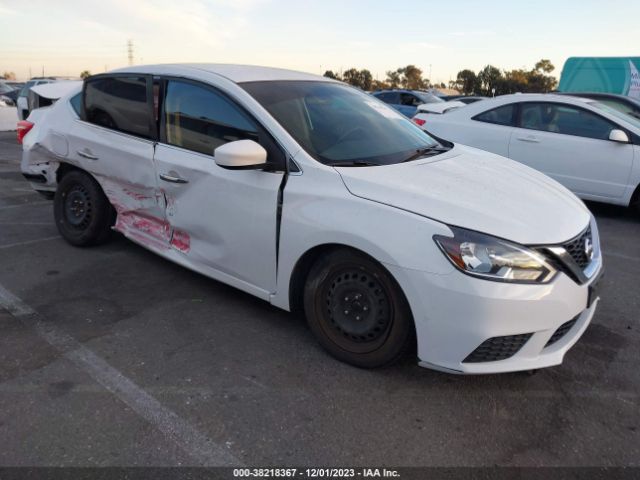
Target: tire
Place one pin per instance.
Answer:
(635, 204)
(82, 212)
(357, 311)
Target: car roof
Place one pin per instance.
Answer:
(530, 97)
(235, 73)
(489, 103)
(399, 90)
(604, 95)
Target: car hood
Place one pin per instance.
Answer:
(477, 190)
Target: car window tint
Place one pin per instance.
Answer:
(335, 123)
(389, 97)
(619, 105)
(409, 100)
(565, 119)
(119, 103)
(201, 119)
(500, 116)
(76, 103)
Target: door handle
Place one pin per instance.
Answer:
(85, 154)
(529, 139)
(172, 178)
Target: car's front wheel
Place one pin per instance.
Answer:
(81, 210)
(356, 310)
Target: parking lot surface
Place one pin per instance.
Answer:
(112, 356)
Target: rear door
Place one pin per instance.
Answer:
(571, 145)
(489, 130)
(223, 222)
(114, 141)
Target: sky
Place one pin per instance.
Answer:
(65, 37)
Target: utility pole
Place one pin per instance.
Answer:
(130, 51)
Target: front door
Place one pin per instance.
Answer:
(223, 222)
(572, 146)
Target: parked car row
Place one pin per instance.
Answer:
(8, 94)
(320, 198)
(408, 102)
(21, 95)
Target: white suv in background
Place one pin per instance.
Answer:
(312, 195)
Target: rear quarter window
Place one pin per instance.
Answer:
(76, 103)
(503, 115)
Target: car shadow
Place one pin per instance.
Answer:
(618, 212)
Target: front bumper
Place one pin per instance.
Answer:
(455, 313)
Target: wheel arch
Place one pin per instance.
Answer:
(64, 168)
(635, 198)
(303, 266)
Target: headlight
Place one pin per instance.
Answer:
(495, 259)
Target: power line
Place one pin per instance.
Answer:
(130, 51)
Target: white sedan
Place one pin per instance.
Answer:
(312, 195)
(590, 148)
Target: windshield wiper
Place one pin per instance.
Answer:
(427, 151)
(354, 163)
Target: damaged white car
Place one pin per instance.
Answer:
(315, 196)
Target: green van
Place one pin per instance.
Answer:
(601, 74)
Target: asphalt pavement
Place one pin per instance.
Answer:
(112, 356)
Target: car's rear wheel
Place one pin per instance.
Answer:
(356, 310)
(81, 210)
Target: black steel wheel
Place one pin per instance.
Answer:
(78, 207)
(82, 212)
(356, 310)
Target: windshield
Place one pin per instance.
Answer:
(337, 124)
(4, 88)
(633, 120)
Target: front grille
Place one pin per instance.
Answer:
(577, 249)
(561, 331)
(498, 348)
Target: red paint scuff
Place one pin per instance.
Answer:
(181, 241)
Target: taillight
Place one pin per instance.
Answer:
(419, 121)
(22, 129)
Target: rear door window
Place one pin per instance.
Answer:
(389, 97)
(120, 103)
(410, 100)
(565, 119)
(499, 116)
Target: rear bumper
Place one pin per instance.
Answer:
(455, 314)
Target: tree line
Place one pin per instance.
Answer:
(409, 77)
(491, 80)
(488, 81)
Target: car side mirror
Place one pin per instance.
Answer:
(617, 135)
(240, 155)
